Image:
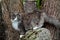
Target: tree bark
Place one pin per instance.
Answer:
(9, 7)
(51, 7)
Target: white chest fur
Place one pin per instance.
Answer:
(15, 23)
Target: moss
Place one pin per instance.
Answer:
(31, 35)
(38, 3)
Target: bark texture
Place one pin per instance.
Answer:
(52, 8)
(2, 28)
(9, 7)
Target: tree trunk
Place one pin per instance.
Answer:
(51, 7)
(9, 7)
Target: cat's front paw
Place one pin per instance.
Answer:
(21, 36)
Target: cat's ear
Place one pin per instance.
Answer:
(12, 20)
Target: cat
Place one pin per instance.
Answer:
(17, 24)
(32, 21)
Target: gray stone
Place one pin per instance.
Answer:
(38, 34)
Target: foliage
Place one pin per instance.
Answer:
(38, 3)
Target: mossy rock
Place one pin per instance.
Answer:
(38, 34)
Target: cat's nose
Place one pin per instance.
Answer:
(37, 23)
